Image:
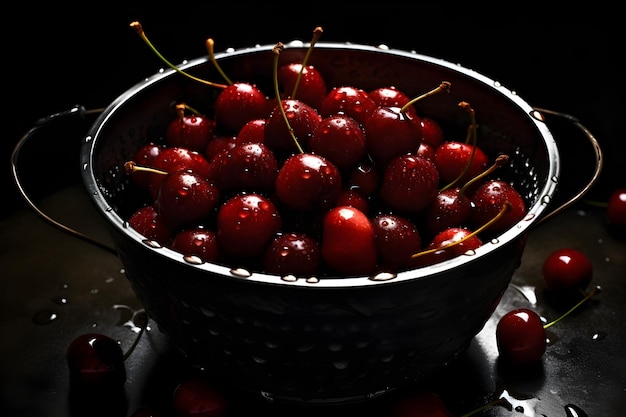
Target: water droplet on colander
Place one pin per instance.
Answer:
(88, 138)
(598, 335)
(59, 300)
(312, 280)
(495, 241)
(152, 244)
(259, 360)
(289, 278)
(546, 199)
(471, 252)
(193, 259)
(554, 178)
(497, 84)
(44, 316)
(537, 115)
(341, 364)
(240, 272)
(383, 276)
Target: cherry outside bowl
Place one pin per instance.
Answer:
(329, 340)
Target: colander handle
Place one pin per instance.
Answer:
(42, 122)
(599, 161)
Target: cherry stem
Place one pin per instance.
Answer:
(210, 46)
(500, 161)
(594, 291)
(181, 108)
(317, 33)
(131, 166)
(469, 108)
(139, 29)
(443, 87)
(277, 49)
(506, 207)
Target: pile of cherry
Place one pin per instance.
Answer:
(340, 181)
(336, 181)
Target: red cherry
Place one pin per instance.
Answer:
(489, 199)
(447, 244)
(567, 269)
(432, 133)
(217, 144)
(198, 242)
(422, 404)
(185, 198)
(308, 182)
(173, 159)
(197, 398)
(521, 337)
(292, 253)
(409, 183)
(390, 133)
(397, 238)
(147, 222)
(252, 132)
(448, 209)
(348, 243)
(311, 87)
(452, 158)
(147, 156)
(616, 209)
(355, 198)
(349, 100)
(391, 97)
(426, 151)
(246, 224)
(246, 167)
(340, 139)
(303, 120)
(237, 104)
(95, 361)
(190, 131)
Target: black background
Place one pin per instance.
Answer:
(58, 56)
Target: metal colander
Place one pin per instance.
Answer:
(323, 340)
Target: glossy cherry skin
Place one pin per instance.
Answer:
(246, 224)
(146, 156)
(432, 132)
(521, 337)
(292, 253)
(409, 183)
(340, 139)
(397, 238)
(453, 157)
(252, 132)
(348, 244)
(308, 182)
(190, 131)
(616, 213)
(219, 143)
(251, 167)
(391, 96)
(441, 241)
(448, 209)
(197, 241)
(95, 361)
(353, 101)
(567, 269)
(303, 120)
(237, 104)
(489, 199)
(196, 398)
(186, 198)
(422, 404)
(173, 159)
(147, 221)
(390, 133)
(311, 88)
